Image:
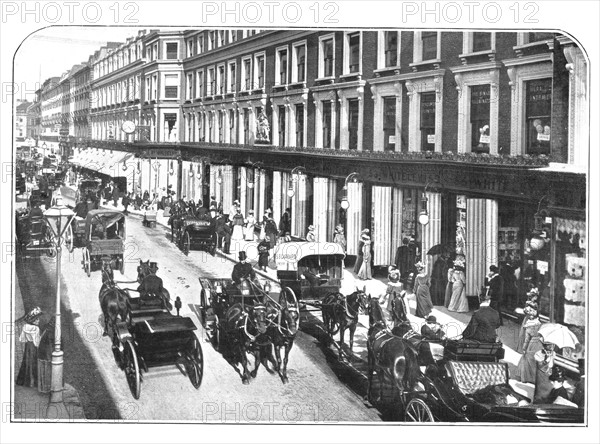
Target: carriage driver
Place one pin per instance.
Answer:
(242, 270)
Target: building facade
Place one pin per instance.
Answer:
(21, 120)
(474, 140)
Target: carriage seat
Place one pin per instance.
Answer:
(472, 376)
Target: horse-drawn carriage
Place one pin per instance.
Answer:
(34, 234)
(148, 335)
(102, 236)
(190, 232)
(247, 317)
(467, 383)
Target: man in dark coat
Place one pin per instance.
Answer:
(223, 230)
(285, 223)
(271, 229)
(439, 279)
(242, 270)
(483, 324)
(495, 284)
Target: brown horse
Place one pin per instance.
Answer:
(342, 311)
(388, 355)
(114, 302)
(151, 284)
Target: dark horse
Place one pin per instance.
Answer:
(343, 311)
(283, 332)
(114, 302)
(398, 309)
(388, 355)
(244, 326)
(151, 284)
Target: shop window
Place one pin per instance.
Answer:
(537, 119)
(172, 51)
(170, 126)
(326, 124)
(482, 41)
(281, 122)
(429, 45)
(353, 124)
(389, 123)
(200, 84)
(221, 80)
(391, 48)
(246, 73)
(282, 64)
(428, 121)
(190, 87)
(232, 80)
(300, 125)
(480, 118)
(259, 64)
(211, 82)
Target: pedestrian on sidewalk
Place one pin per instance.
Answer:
(30, 336)
(223, 231)
(449, 284)
(285, 223)
(339, 238)
(237, 221)
(424, 304)
(394, 286)
(530, 343)
(495, 289)
(458, 301)
(359, 255)
(115, 195)
(365, 270)
(270, 229)
(439, 276)
(249, 222)
(125, 202)
(263, 253)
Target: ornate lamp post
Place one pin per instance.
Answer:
(59, 218)
(296, 171)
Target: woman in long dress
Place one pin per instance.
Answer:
(530, 345)
(359, 256)
(365, 269)
(458, 302)
(238, 226)
(448, 294)
(30, 336)
(424, 303)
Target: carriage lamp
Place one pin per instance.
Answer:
(290, 190)
(191, 173)
(124, 167)
(267, 287)
(540, 237)
(59, 218)
(424, 215)
(111, 153)
(198, 173)
(219, 177)
(139, 167)
(296, 171)
(218, 288)
(245, 288)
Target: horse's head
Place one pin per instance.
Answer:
(145, 269)
(108, 275)
(258, 317)
(398, 309)
(291, 317)
(375, 312)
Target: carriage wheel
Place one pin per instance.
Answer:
(195, 364)
(69, 238)
(87, 264)
(418, 411)
(51, 250)
(186, 243)
(132, 369)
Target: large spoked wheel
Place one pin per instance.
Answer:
(194, 365)
(186, 243)
(69, 239)
(132, 369)
(117, 352)
(87, 263)
(418, 411)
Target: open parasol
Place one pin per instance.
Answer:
(559, 335)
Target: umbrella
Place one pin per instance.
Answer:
(559, 335)
(441, 249)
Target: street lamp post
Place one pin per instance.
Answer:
(296, 171)
(345, 204)
(59, 217)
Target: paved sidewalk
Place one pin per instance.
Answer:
(454, 323)
(29, 403)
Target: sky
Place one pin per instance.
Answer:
(53, 50)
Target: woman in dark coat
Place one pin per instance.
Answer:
(263, 253)
(359, 255)
(439, 276)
